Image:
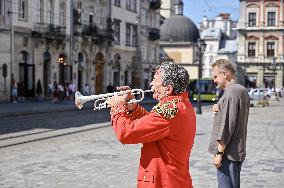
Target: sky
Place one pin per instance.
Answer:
(196, 9)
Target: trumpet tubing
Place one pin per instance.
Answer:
(101, 99)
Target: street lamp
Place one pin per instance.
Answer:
(201, 48)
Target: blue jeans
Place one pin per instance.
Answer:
(229, 173)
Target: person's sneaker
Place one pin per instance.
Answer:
(15, 102)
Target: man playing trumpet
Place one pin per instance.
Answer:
(166, 132)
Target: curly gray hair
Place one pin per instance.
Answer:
(174, 75)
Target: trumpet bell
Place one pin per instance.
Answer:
(79, 100)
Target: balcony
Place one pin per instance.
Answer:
(89, 30)
(106, 34)
(155, 4)
(40, 28)
(154, 34)
(48, 30)
(57, 31)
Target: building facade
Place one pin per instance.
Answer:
(90, 42)
(167, 8)
(136, 48)
(260, 41)
(54, 41)
(223, 22)
(220, 36)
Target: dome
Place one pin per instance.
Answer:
(179, 28)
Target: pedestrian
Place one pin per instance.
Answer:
(55, 92)
(61, 91)
(86, 89)
(49, 90)
(110, 88)
(229, 133)
(14, 91)
(166, 132)
(21, 91)
(71, 90)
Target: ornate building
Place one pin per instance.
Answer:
(220, 36)
(261, 42)
(178, 41)
(54, 40)
(135, 50)
(167, 8)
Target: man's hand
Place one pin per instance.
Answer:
(217, 160)
(78, 104)
(215, 108)
(117, 99)
(132, 106)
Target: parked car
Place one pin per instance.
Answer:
(258, 97)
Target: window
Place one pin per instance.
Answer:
(134, 36)
(62, 21)
(128, 33)
(51, 12)
(79, 5)
(128, 4)
(117, 3)
(91, 20)
(134, 4)
(91, 15)
(22, 9)
(211, 58)
(1, 7)
(116, 28)
(270, 49)
(271, 19)
(251, 49)
(252, 19)
(41, 10)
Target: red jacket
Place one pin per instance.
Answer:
(167, 134)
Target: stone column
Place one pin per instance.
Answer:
(259, 82)
(279, 78)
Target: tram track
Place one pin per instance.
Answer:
(10, 141)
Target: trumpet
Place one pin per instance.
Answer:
(102, 99)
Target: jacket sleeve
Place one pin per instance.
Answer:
(229, 119)
(138, 113)
(139, 127)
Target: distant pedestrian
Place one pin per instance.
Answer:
(110, 88)
(66, 92)
(71, 90)
(55, 92)
(86, 89)
(49, 90)
(14, 91)
(229, 133)
(61, 91)
(21, 91)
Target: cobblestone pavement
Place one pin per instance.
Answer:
(96, 159)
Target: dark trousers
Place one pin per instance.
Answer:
(229, 174)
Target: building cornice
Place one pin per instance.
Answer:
(176, 44)
(259, 29)
(258, 64)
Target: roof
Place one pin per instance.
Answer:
(179, 28)
(228, 46)
(211, 33)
